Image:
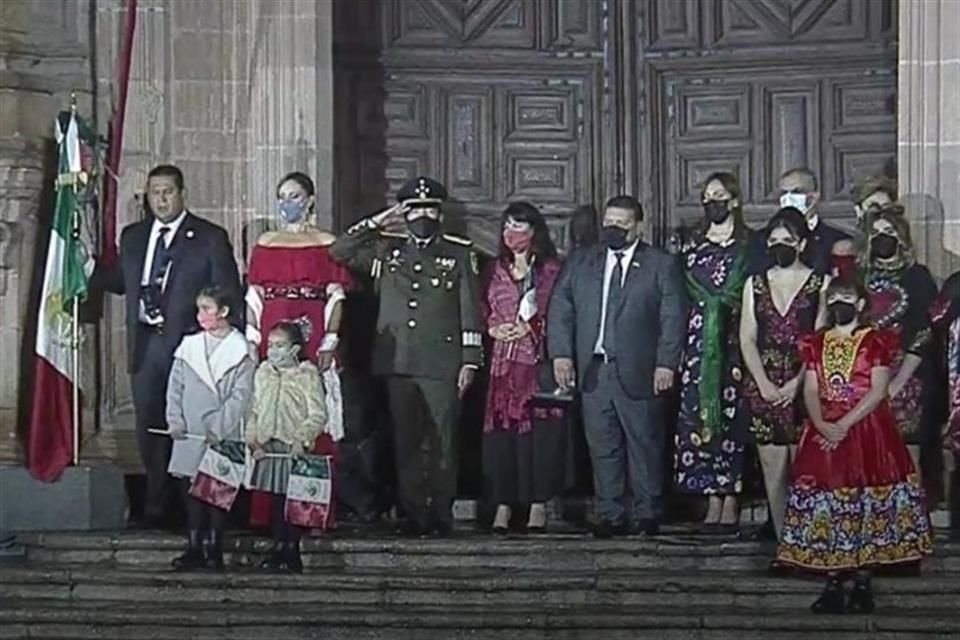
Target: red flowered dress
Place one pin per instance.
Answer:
(296, 283)
(860, 505)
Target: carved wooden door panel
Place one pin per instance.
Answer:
(498, 99)
(760, 86)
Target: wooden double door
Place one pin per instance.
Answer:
(567, 102)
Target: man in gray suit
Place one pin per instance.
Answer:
(615, 330)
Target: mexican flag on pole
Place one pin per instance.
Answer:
(69, 266)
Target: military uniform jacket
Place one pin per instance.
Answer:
(429, 320)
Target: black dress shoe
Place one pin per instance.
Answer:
(442, 529)
(709, 528)
(605, 530)
(831, 600)
(646, 527)
(193, 558)
(500, 530)
(861, 598)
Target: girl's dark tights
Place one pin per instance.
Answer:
(282, 530)
(200, 515)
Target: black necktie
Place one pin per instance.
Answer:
(161, 257)
(613, 303)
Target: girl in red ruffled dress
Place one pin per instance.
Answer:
(855, 499)
(293, 278)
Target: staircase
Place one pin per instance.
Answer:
(678, 586)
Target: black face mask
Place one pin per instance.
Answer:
(883, 246)
(423, 228)
(783, 255)
(716, 211)
(614, 237)
(841, 313)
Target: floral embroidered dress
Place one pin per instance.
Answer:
(900, 301)
(859, 505)
(777, 341)
(297, 282)
(710, 439)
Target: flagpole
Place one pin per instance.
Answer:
(75, 324)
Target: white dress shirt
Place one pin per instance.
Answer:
(625, 261)
(173, 226)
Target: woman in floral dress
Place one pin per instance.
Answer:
(779, 307)
(901, 295)
(710, 437)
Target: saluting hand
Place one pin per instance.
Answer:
(391, 218)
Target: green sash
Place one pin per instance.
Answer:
(716, 303)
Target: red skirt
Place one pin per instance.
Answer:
(860, 505)
(260, 500)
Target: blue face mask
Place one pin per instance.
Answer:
(291, 211)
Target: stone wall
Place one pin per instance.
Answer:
(44, 56)
(929, 128)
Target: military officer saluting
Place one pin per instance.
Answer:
(428, 341)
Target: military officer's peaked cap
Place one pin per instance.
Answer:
(421, 192)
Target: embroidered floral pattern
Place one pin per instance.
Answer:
(710, 462)
(849, 528)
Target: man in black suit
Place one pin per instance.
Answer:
(615, 330)
(165, 260)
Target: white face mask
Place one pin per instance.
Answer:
(795, 200)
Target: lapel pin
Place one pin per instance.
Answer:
(189, 233)
(635, 264)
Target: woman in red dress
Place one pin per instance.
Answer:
(855, 499)
(292, 278)
(519, 466)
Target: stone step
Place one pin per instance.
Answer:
(490, 588)
(45, 620)
(673, 551)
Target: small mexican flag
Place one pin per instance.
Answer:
(309, 491)
(69, 266)
(220, 474)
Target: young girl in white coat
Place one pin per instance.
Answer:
(208, 394)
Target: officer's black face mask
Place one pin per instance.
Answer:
(615, 237)
(884, 246)
(423, 228)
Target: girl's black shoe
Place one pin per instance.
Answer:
(274, 560)
(290, 561)
(832, 600)
(193, 558)
(861, 598)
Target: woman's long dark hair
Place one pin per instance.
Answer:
(542, 246)
(730, 182)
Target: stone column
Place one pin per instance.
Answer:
(236, 93)
(929, 128)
